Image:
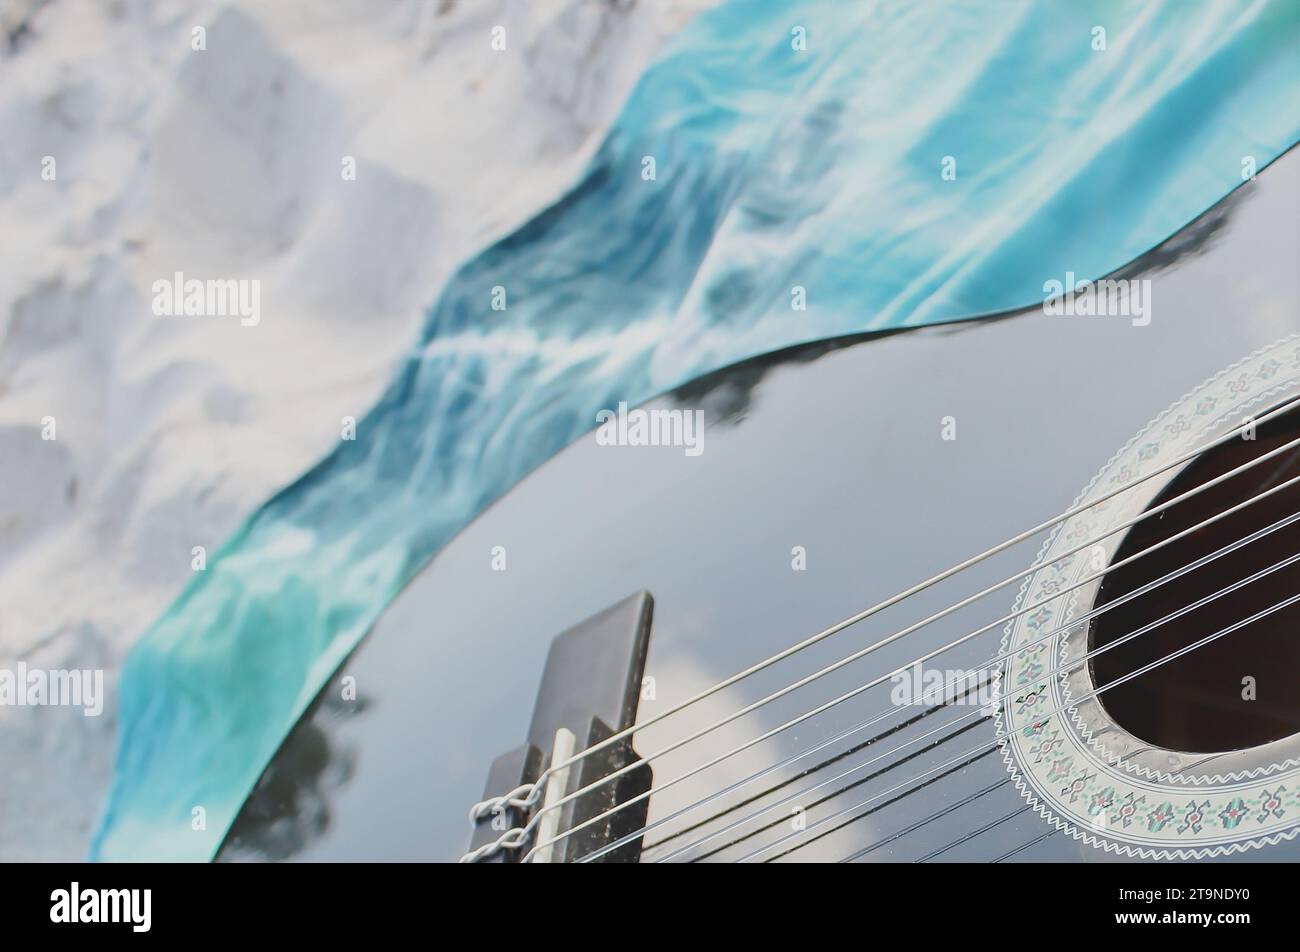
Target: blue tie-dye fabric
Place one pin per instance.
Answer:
(774, 168)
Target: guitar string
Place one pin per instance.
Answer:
(1024, 846)
(1172, 616)
(936, 815)
(984, 668)
(559, 803)
(815, 768)
(526, 794)
(957, 767)
(862, 652)
(483, 807)
(997, 661)
(989, 748)
(972, 834)
(1013, 852)
(818, 710)
(854, 784)
(1068, 706)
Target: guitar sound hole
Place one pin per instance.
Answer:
(1240, 690)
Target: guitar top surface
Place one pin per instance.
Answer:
(828, 478)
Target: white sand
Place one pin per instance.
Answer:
(225, 163)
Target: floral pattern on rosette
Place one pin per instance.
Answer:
(1074, 768)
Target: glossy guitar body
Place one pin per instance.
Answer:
(828, 481)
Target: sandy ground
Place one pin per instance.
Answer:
(228, 163)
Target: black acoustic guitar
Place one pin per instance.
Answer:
(1022, 588)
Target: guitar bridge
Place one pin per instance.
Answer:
(589, 692)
